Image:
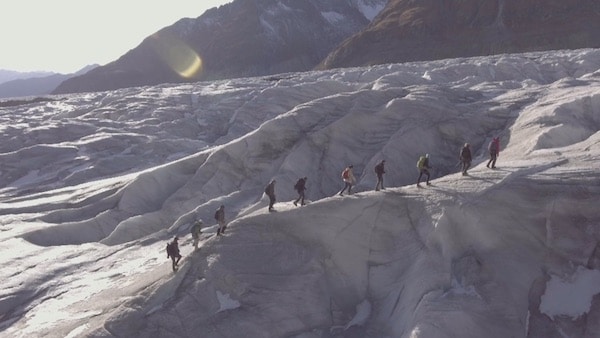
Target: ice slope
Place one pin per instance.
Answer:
(95, 184)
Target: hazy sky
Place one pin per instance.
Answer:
(66, 35)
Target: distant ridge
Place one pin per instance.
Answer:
(42, 85)
(431, 30)
(9, 75)
(263, 37)
(240, 39)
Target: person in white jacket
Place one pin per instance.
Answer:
(349, 180)
(196, 230)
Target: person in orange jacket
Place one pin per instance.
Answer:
(349, 180)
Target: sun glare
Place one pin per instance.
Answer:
(180, 57)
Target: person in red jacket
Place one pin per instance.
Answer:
(494, 148)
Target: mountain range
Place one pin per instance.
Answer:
(9, 75)
(33, 84)
(262, 37)
(239, 39)
(409, 30)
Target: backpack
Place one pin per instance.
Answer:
(465, 153)
(494, 145)
(217, 213)
(299, 184)
(421, 162)
(346, 174)
(196, 229)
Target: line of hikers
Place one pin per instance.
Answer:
(422, 166)
(349, 181)
(196, 230)
(465, 155)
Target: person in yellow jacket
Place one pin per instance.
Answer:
(423, 166)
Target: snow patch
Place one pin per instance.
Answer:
(370, 11)
(363, 311)
(332, 17)
(572, 295)
(463, 290)
(77, 331)
(226, 302)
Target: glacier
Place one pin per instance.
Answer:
(93, 185)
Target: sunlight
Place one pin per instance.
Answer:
(180, 57)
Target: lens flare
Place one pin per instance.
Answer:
(180, 57)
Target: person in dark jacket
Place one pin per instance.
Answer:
(270, 191)
(465, 158)
(494, 148)
(300, 188)
(220, 218)
(379, 171)
(173, 252)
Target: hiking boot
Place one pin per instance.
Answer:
(295, 203)
(428, 183)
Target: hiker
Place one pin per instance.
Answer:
(380, 170)
(465, 158)
(220, 218)
(300, 187)
(270, 191)
(196, 230)
(173, 252)
(349, 180)
(423, 166)
(494, 148)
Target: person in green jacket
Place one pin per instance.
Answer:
(423, 166)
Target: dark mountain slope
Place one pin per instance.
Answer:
(240, 39)
(408, 30)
